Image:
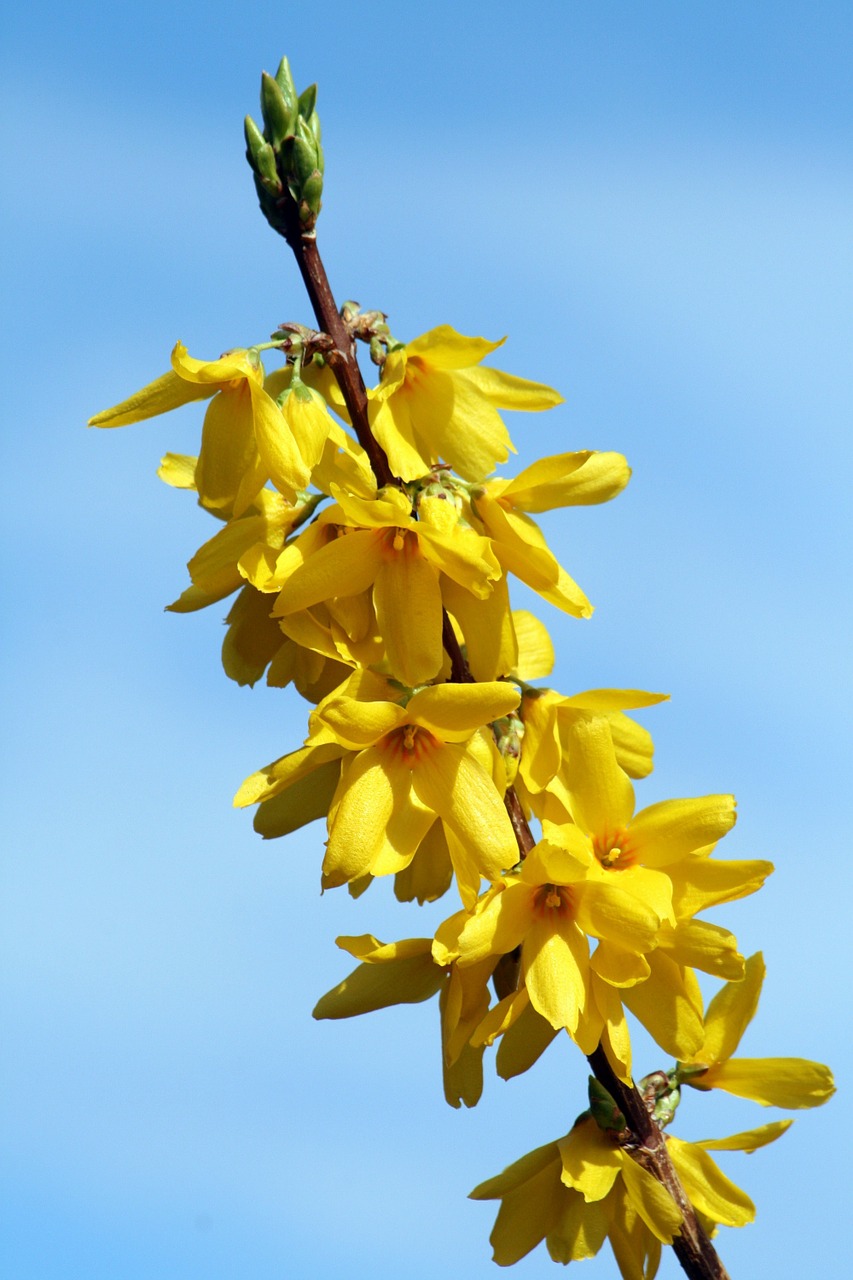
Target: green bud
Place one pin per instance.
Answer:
(308, 101)
(603, 1108)
(314, 126)
(254, 141)
(312, 191)
(304, 155)
(278, 118)
(284, 80)
(265, 163)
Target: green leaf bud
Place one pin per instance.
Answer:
(308, 101)
(266, 166)
(284, 80)
(603, 1108)
(254, 141)
(279, 119)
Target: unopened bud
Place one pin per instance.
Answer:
(603, 1108)
(279, 119)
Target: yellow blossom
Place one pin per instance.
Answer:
(794, 1083)
(436, 403)
(403, 765)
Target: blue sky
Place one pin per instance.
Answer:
(653, 202)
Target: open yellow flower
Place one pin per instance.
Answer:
(377, 546)
(405, 973)
(403, 766)
(549, 908)
(245, 438)
(567, 479)
(435, 403)
(585, 1188)
(794, 1083)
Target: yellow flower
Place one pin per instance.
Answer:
(245, 438)
(434, 403)
(568, 479)
(405, 973)
(586, 1188)
(377, 546)
(404, 766)
(574, 1194)
(794, 1083)
(548, 909)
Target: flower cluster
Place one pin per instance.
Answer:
(434, 753)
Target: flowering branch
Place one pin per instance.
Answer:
(429, 748)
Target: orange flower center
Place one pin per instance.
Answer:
(409, 744)
(551, 899)
(614, 851)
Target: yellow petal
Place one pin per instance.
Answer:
(591, 1163)
(652, 1201)
(555, 959)
(535, 647)
(308, 799)
(160, 396)
(667, 832)
(731, 1011)
(665, 1005)
(568, 479)
(376, 986)
(457, 788)
(454, 711)
(601, 795)
(444, 348)
(342, 567)
(707, 1187)
(407, 600)
(794, 1083)
(750, 1139)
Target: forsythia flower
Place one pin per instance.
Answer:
(377, 546)
(794, 1083)
(244, 433)
(406, 767)
(435, 403)
(405, 973)
(586, 1188)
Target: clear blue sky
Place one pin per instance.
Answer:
(653, 201)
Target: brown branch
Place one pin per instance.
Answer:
(693, 1248)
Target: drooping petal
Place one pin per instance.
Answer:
(665, 1004)
(228, 450)
(306, 800)
(445, 348)
(707, 1187)
(407, 600)
(535, 647)
(652, 1201)
(601, 794)
(591, 1162)
(452, 783)
(359, 817)
(555, 960)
